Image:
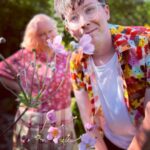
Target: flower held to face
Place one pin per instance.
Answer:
(83, 47)
(86, 45)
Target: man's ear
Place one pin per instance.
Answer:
(107, 11)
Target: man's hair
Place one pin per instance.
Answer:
(61, 6)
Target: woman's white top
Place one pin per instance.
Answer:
(118, 127)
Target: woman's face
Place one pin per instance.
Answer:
(46, 31)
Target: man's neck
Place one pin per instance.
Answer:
(102, 58)
(104, 50)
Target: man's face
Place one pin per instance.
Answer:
(88, 18)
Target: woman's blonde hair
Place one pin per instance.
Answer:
(30, 39)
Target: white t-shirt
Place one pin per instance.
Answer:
(118, 127)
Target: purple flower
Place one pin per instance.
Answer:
(51, 116)
(86, 142)
(85, 44)
(54, 134)
(56, 45)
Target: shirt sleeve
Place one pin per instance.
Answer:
(148, 69)
(148, 60)
(77, 74)
(10, 66)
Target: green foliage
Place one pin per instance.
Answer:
(29, 101)
(130, 12)
(13, 19)
(79, 129)
(22, 99)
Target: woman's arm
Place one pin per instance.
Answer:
(11, 84)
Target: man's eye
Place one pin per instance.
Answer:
(90, 10)
(74, 18)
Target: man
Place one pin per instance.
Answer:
(112, 85)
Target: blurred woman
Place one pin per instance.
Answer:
(40, 68)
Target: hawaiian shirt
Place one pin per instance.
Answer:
(132, 44)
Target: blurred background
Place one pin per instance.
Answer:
(14, 15)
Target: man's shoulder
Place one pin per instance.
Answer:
(132, 38)
(129, 30)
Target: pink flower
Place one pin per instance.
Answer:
(85, 44)
(86, 142)
(54, 134)
(51, 116)
(56, 45)
(89, 127)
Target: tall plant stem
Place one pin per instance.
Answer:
(7, 129)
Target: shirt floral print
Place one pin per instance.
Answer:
(51, 99)
(132, 44)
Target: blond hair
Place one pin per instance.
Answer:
(31, 39)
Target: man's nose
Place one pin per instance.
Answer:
(84, 21)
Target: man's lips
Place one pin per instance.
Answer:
(89, 32)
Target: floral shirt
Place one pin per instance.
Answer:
(132, 45)
(56, 94)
